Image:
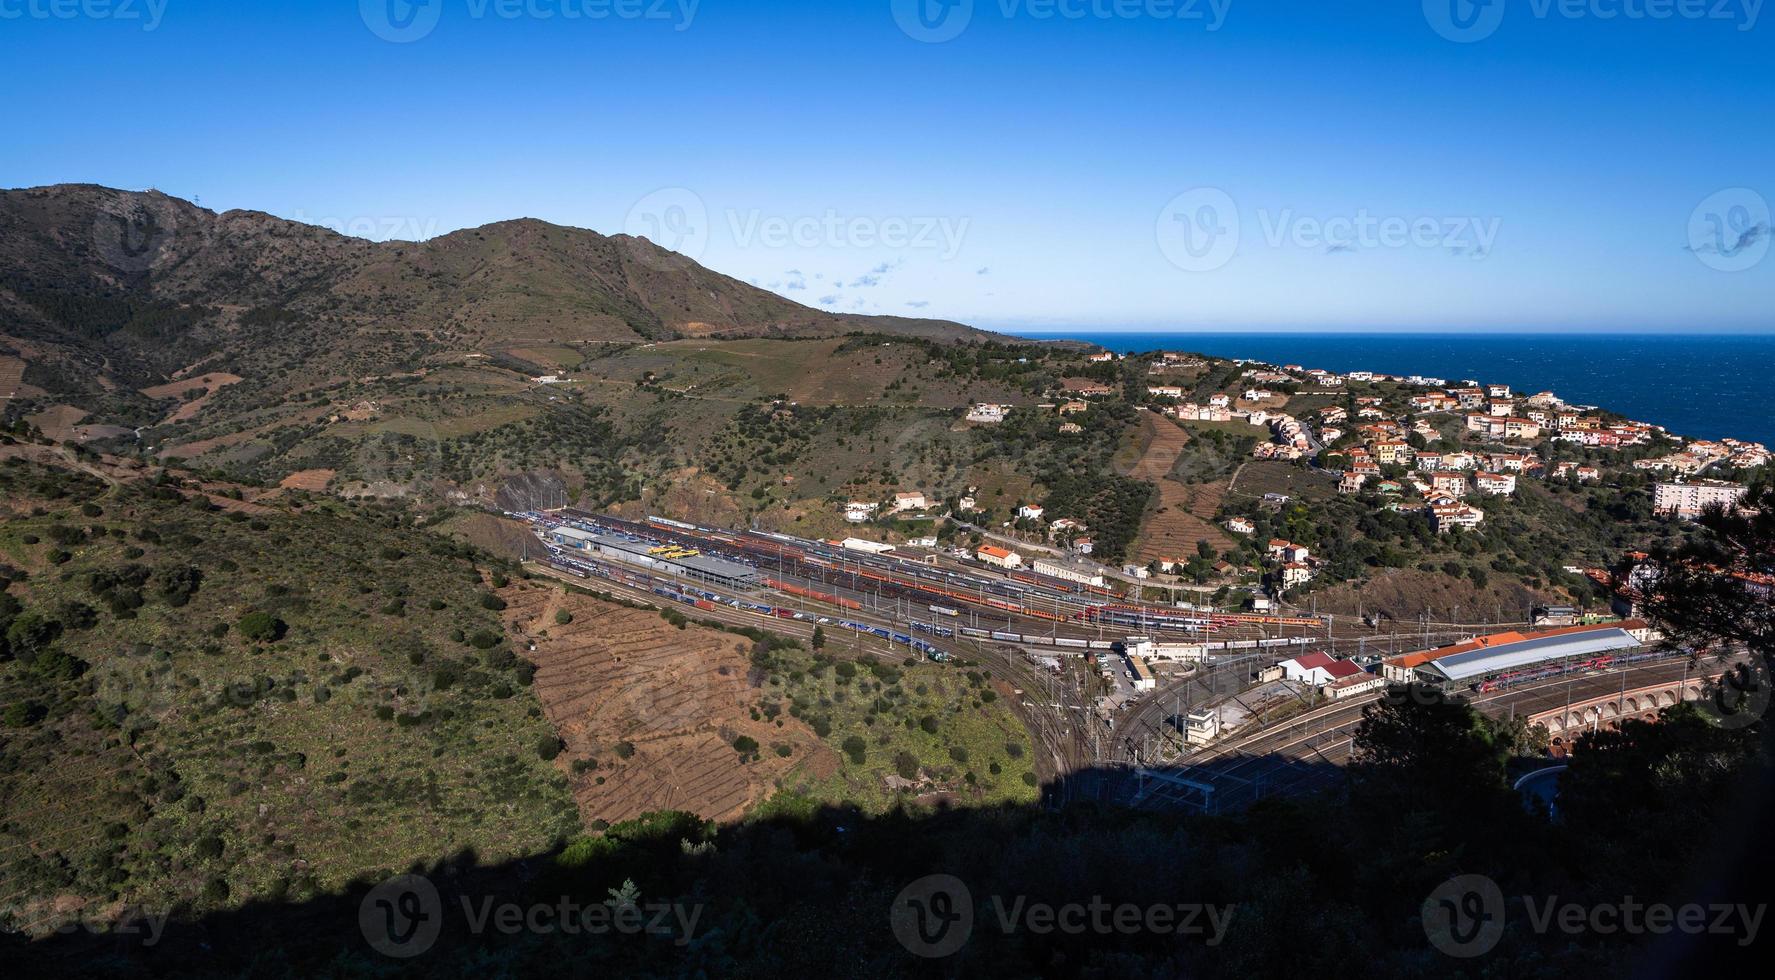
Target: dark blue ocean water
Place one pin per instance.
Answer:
(1708, 387)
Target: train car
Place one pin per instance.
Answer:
(945, 611)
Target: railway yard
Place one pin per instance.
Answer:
(1060, 644)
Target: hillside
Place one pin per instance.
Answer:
(208, 700)
(138, 285)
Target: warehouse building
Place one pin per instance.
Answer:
(669, 560)
(1069, 570)
(1512, 653)
(571, 537)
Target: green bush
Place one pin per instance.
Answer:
(856, 749)
(261, 627)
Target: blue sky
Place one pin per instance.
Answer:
(1336, 164)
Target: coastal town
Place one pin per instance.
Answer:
(1435, 449)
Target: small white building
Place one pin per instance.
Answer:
(1142, 674)
(1496, 484)
(1001, 557)
(858, 511)
(909, 501)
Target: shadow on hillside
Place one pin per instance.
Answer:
(1282, 885)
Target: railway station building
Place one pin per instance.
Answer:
(1504, 654)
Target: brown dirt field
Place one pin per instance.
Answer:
(501, 536)
(57, 421)
(208, 383)
(680, 697)
(313, 480)
(1188, 517)
(12, 376)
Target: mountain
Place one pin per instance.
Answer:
(138, 285)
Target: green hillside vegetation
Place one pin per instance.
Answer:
(203, 707)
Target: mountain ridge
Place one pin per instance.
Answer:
(518, 279)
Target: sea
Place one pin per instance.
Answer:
(1700, 386)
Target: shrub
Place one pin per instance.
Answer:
(856, 749)
(625, 750)
(906, 764)
(261, 627)
(563, 617)
(745, 745)
(548, 747)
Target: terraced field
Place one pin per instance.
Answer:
(1164, 441)
(657, 708)
(1181, 516)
